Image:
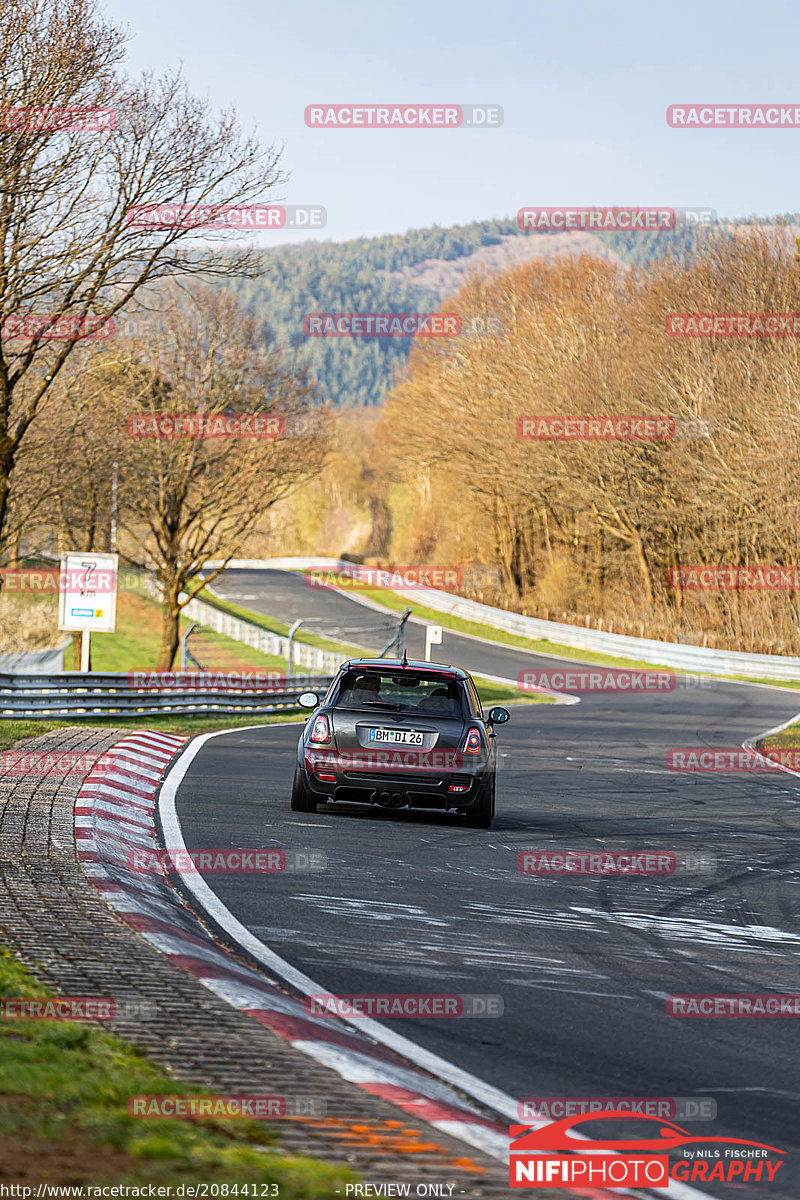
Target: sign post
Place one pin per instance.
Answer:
(87, 596)
(433, 637)
(86, 649)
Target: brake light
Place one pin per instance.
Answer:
(473, 743)
(320, 730)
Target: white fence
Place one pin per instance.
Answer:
(315, 660)
(698, 659)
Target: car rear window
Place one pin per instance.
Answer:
(431, 695)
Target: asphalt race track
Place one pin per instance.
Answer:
(583, 963)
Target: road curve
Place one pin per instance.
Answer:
(583, 963)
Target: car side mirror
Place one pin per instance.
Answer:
(308, 699)
(499, 716)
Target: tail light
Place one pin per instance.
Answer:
(320, 730)
(473, 744)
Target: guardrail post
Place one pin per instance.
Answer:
(86, 650)
(290, 648)
(187, 633)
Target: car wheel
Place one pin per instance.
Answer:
(302, 800)
(482, 815)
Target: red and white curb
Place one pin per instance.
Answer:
(115, 815)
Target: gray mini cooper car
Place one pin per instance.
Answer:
(399, 734)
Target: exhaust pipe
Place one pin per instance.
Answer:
(389, 799)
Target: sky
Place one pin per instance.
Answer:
(584, 87)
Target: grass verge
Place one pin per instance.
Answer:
(501, 693)
(787, 739)
(64, 1090)
(781, 683)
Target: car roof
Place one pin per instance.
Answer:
(397, 664)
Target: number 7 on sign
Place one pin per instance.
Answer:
(89, 567)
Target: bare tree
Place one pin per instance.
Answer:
(581, 525)
(186, 499)
(80, 148)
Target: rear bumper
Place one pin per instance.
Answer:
(433, 789)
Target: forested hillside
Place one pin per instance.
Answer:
(407, 272)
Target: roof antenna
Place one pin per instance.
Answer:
(404, 663)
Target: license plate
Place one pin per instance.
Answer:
(406, 737)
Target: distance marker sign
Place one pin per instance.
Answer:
(87, 592)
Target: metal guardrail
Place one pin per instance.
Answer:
(71, 693)
(700, 659)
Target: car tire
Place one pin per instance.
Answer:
(481, 815)
(302, 800)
